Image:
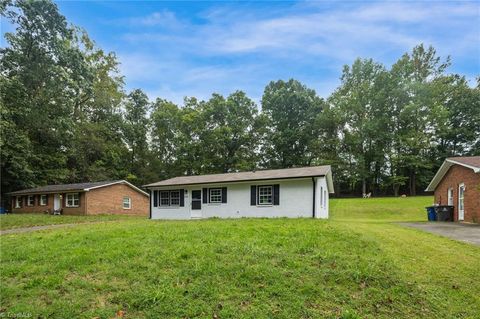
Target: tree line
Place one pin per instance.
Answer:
(66, 117)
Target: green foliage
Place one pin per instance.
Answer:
(291, 111)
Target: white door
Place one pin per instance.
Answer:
(450, 196)
(461, 196)
(196, 204)
(56, 202)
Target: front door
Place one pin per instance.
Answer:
(56, 202)
(461, 196)
(196, 204)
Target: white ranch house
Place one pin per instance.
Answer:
(291, 192)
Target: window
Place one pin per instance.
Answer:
(174, 198)
(321, 196)
(169, 198)
(43, 200)
(265, 195)
(461, 197)
(215, 195)
(18, 202)
(127, 204)
(31, 200)
(165, 198)
(450, 196)
(73, 200)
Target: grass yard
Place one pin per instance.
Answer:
(358, 264)
(12, 221)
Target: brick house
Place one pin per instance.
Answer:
(457, 183)
(109, 197)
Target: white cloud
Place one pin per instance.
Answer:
(238, 47)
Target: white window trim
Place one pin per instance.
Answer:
(18, 202)
(258, 195)
(28, 200)
(461, 185)
(219, 196)
(160, 198)
(169, 192)
(170, 196)
(41, 201)
(73, 199)
(450, 191)
(321, 196)
(129, 202)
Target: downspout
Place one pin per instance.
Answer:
(150, 199)
(313, 206)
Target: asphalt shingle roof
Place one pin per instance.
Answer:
(62, 187)
(246, 176)
(467, 160)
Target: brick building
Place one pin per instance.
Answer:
(457, 183)
(110, 197)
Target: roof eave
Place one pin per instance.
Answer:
(444, 169)
(239, 181)
(46, 192)
(119, 182)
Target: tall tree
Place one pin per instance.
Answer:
(291, 110)
(415, 112)
(42, 68)
(361, 105)
(229, 133)
(135, 132)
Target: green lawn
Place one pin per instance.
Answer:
(11, 221)
(358, 264)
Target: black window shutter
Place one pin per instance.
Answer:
(182, 198)
(253, 195)
(205, 195)
(224, 194)
(48, 195)
(276, 194)
(155, 198)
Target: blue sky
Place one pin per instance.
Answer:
(177, 49)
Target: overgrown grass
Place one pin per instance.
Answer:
(352, 266)
(11, 221)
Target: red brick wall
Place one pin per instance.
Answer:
(80, 210)
(456, 175)
(109, 200)
(36, 208)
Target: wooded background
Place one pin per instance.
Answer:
(65, 117)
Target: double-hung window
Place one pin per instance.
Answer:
(450, 196)
(127, 203)
(164, 198)
(18, 202)
(73, 200)
(31, 200)
(215, 195)
(174, 198)
(265, 195)
(43, 200)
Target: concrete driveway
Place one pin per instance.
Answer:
(468, 233)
